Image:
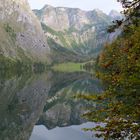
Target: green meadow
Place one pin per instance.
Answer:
(68, 67)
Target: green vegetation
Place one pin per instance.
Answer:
(61, 54)
(68, 67)
(89, 66)
(10, 31)
(59, 35)
(16, 67)
(71, 30)
(13, 67)
(39, 67)
(118, 66)
(73, 44)
(48, 29)
(5, 62)
(118, 107)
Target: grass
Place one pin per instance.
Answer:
(68, 67)
(10, 31)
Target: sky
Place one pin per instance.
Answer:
(104, 5)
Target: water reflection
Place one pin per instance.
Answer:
(61, 108)
(65, 133)
(22, 99)
(42, 99)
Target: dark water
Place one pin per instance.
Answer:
(30, 100)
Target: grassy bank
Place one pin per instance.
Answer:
(68, 67)
(13, 66)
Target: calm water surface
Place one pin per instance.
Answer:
(42, 107)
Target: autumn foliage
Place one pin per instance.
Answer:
(118, 66)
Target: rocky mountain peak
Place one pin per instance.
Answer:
(46, 6)
(115, 14)
(77, 32)
(63, 18)
(74, 30)
(98, 11)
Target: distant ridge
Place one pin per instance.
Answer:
(79, 32)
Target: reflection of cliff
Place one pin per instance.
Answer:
(63, 110)
(21, 102)
(22, 99)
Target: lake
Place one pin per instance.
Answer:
(42, 106)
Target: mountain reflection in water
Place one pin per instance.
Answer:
(42, 99)
(65, 133)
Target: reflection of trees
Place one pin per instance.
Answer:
(89, 66)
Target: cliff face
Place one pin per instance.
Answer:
(80, 32)
(72, 34)
(21, 33)
(62, 18)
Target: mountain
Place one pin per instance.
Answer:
(21, 35)
(71, 34)
(55, 17)
(74, 31)
(115, 15)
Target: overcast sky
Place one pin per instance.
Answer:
(105, 5)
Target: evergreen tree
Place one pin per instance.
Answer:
(131, 12)
(118, 67)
